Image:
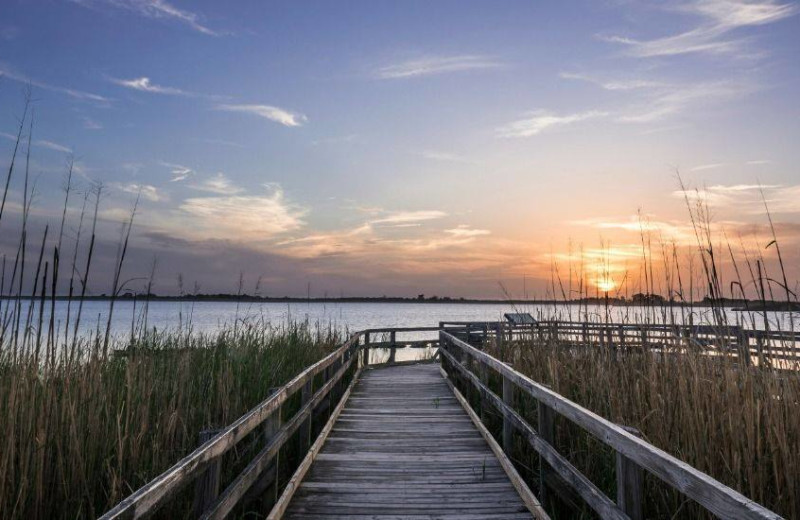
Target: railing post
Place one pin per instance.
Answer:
(547, 431)
(483, 373)
(586, 335)
(392, 346)
(744, 347)
(206, 488)
(630, 485)
(304, 431)
(601, 337)
(365, 351)
(644, 337)
(271, 427)
(508, 428)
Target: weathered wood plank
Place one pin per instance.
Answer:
(294, 482)
(403, 447)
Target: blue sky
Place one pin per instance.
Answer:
(403, 147)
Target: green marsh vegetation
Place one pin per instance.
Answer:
(87, 419)
(734, 418)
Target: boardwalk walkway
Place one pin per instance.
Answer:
(403, 447)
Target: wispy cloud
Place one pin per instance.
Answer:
(156, 9)
(255, 217)
(704, 167)
(409, 217)
(219, 184)
(50, 145)
(273, 113)
(619, 84)
(179, 172)
(542, 120)
(651, 100)
(143, 84)
(747, 198)
(465, 231)
(713, 35)
(146, 191)
(81, 95)
(666, 102)
(679, 232)
(43, 143)
(431, 65)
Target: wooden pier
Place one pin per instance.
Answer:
(409, 439)
(405, 447)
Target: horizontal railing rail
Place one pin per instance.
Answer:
(634, 455)
(203, 464)
(731, 340)
(158, 491)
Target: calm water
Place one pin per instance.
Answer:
(208, 317)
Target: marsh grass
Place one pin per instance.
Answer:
(734, 417)
(739, 425)
(87, 418)
(81, 435)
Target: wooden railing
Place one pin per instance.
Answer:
(740, 342)
(202, 465)
(468, 365)
(460, 359)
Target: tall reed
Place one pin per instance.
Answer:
(88, 417)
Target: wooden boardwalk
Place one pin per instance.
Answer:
(404, 447)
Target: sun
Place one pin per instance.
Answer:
(606, 285)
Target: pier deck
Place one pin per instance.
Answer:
(404, 447)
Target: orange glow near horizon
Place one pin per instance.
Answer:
(606, 285)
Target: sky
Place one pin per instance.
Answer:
(456, 148)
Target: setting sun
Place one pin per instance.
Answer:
(606, 285)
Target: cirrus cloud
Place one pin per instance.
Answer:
(542, 120)
(273, 113)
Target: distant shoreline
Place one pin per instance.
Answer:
(737, 305)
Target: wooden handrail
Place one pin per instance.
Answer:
(152, 495)
(718, 498)
(236, 490)
(713, 495)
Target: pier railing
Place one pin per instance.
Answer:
(321, 386)
(202, 466)
(746, 344)
(471, 367)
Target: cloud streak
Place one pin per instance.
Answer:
(747, 198)
(157, 10)
(713, 34)
(219, 184)
(81, 95)
(179, 172)
(272, 113)
(434, 65)
(146, 191)
(143, 84)
(542, 120)
(409, 217)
